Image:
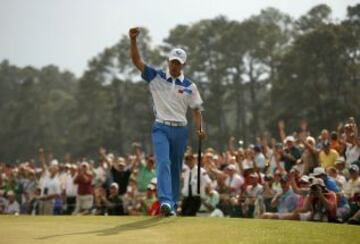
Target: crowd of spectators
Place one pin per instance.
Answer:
(299, 177)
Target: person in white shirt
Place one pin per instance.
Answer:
(13, 206)
(70, 190)
(51, 190)
(233, 181)
(191, 199)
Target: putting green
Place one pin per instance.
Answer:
(95, 229)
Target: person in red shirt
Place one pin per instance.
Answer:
(84, 199)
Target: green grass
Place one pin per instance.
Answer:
(94, 229)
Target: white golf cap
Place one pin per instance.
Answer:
(319, 171)
(290, 138)
(178, 54)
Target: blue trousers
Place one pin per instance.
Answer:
(170, 145)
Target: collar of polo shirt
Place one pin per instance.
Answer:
(181, 77)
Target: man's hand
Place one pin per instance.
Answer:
(201, 134)
(134, 32)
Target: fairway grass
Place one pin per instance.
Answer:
(96, 229)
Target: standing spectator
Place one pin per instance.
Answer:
(71, 190)
(146, 173)
(352, 151)
(260, 158)
(335, 143)
(310, 155)
(233, 181)
(324, 137)
(327, 156)
(191, 199)
(84, 199)
(51, 189)
(290, 154)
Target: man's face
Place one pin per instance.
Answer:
(289, 144)
(285, 185)
(190, 161)
(175, 68)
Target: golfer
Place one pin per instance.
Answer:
(172, 94)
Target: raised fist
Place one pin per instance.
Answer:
(134, 32)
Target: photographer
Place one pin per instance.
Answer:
(320, 203)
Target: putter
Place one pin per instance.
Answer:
(199, 164)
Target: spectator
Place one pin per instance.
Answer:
(339, 179)
(290, 154)
(310, 155)
(340, 165)
(286, 201)
(113, 203)
(260, 158)
(71, 189)
(209, 203)
(85, 198)
(354, 182)
(253, 197)
(12, 206)
(327, 156)
(50, 189)
(191, 198)
(146, 173)
(343, 207)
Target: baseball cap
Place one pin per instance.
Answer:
(290, 139)
(231, 167)
(178, 54)
(319, 171)
(354, 168)
(151, 187)
(114, 184)
(317, 181)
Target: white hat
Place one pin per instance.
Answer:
(153, 181)
(290, 138)
(319, 171)
(54, 162)
(115, 185)
(231, 167)
(178, 54)
(151, 187)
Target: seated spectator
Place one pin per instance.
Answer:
(209, 202)
(343, 207)
(12, 207)
(253, 197)
(113, 203)
(340, 165)
(321, 202)
(339, 179)
(286, 201)
(268, 193)
(354, 182)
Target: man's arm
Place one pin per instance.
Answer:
(198, 123)
(133, 34)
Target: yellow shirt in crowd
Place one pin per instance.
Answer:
(328, 160)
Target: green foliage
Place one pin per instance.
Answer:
(251, 74)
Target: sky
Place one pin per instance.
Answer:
(68, 33)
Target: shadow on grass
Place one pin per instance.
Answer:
(142, 224)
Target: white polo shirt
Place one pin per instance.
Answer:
(204, 181)
(171, 96)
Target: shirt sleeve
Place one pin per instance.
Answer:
(195, 99)
(149, 73)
